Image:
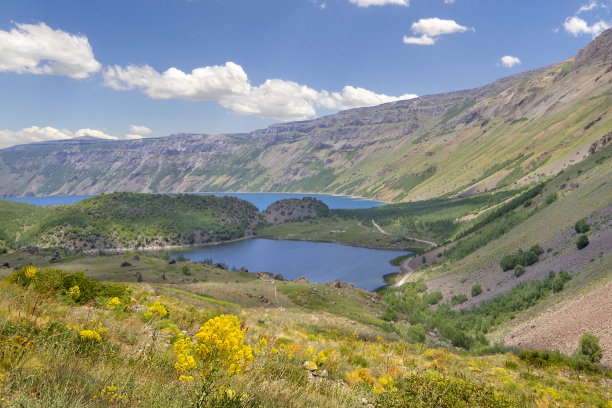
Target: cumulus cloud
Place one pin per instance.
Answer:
(35, 134)
(140, 130)
(229, 86)
(431, 28)
(577, 26)
(368, 3)
(39, 49)
(509, 61)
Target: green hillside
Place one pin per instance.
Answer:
(15, 220)
(132, 220)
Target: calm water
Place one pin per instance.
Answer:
(319, 262)
(259, 200)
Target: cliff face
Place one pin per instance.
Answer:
(513, 130)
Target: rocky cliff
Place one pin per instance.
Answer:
(514, 130)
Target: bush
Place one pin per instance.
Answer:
(459, 299)
(476, 290)
(433, 297)
(582, 241)
(582, 227)
(389, 315)
(524, 258)
(551, 198)
(588, 348)
(519, 270)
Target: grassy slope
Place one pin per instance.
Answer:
(127, 220)
(16, 219)
(136, 357)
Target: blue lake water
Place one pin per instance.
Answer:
(319, 262)
(259, 200)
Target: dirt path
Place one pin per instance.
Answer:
(382, 231)
(405, 270)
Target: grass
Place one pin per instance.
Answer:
(360, 362)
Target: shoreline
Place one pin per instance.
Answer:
(203, 193)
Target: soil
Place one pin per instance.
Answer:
(561, 328)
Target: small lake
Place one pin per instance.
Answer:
(319, 262)
(259, 200)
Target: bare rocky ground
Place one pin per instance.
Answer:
(561, 254)
(560, 328)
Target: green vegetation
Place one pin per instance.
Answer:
(588, 348)
(476, 290)
(582, 227)
(131, 220)
(15, 219)
(582, 241)
(522, 258)
(466, 328)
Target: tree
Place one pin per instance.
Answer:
(582, 241)
(588, 348)
(582, 227)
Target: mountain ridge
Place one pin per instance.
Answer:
(513, 130)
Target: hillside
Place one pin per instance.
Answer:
(15, 219)
(133, 220)
(512, 131)
(81, 342)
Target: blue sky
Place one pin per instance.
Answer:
(145, 68)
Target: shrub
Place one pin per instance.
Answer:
(524, 258)
(389, 315)
(588, 348)
(476, 290)
(519, 271)
(582, 241)
(551, 198)
(459, 299)
(582, 227)
(537, 249)
(433, 297)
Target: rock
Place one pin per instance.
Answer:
(279, 277)
(6, 265)
(194, 280)
(163, 276)
(220, 265)
(125, 264)
(172, 261)
(301, 279)
(243, 270)
(139, 277)
(136, 258)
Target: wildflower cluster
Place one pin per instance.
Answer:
(384, 384)
(359, 376)
(74, 292)
(90, 335)
(113, 303)
(13, 350)
(316, 360)
(30, 271)
(183, 348)
(109, 394)
(219, 342)
(157, 310)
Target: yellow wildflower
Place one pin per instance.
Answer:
(157, 310)
(109, 394)
(384, 384)
(113, 303)
(90, 335)
(230, 393)
(74, 292)
(30, 271)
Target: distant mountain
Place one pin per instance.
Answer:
(512, 131)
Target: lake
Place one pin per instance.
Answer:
(259, 200)
(319, 262)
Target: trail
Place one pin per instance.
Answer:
(405, 270)
(382, 231)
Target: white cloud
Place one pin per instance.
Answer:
(368, 3)
(509, 61)
(39, 49)
(576, 26)
(34, 134)
(588, 7)
(130, 136)
(430, 28)
(449, 1)
(93, 132)
(229, 85)
(140, 130)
